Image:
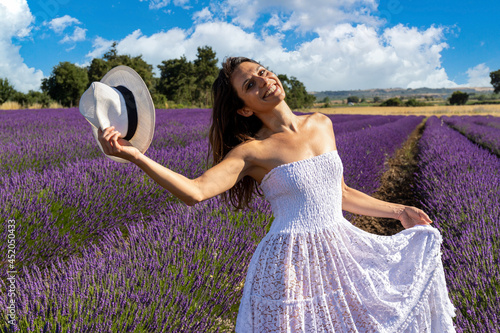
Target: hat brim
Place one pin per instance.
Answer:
(146, 117)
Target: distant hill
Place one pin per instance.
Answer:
(399, 92)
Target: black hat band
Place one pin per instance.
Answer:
(131, 111)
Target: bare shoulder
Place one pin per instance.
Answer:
(322, 130)
(321, 119)
(256, 156)
(244, 148)
(245, 152)
(321, 122)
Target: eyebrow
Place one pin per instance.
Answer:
(245, 82)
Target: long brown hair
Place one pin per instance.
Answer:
(229, 129)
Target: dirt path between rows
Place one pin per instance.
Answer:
(396, 186)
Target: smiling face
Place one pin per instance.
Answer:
(260, 89)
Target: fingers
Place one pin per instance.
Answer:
(109, 140)
(115, 135)
(425, 217)
(106, 133)
(416, 216)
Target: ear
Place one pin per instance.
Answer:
(245, 112)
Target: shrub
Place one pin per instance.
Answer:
(160, 101)
(395, 101)
(414, 102)
(458, 98)
(353, 99)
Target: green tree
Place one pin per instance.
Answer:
(6, 90)
(353, 99)
(66, 84)
(296, 94)
(37, 97)
(326, 100)
(159, 100)
(376, 99)
(205, 70)
(394, 101)
(100, 66)
(31, 98)
(20, 98)
(458, 98)
(97, 69)
(414, 102)
(177, 80)
(495, 80)
(482, 97)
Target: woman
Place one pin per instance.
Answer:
(313, 271)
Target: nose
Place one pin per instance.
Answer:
(261, 81)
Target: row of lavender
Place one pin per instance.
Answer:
(459, 183)
(161, 271)
(483, 130)
(44, 140)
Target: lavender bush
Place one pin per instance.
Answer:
(364, 151)
(484, 131)
(180, 272)
(459, 183)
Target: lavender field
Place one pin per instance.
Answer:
(100, 247)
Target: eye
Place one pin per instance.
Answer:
(262, 72)
(250, 84)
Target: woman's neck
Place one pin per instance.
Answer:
(280, 119)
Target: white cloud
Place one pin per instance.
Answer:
(359, 57)
(344, 57)
(60, 23)
(78, 35)
(100, 46)
(202, 16)
(158, 4)
(15, 19)
(224, 38)
(182, 3)
(157, 47)
(479, 76)
(302, 14)
(15, 22)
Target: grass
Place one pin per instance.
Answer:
(437, 110)
(10, 105)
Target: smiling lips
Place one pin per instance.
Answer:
(271, 89)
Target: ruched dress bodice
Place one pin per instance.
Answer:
(310, 198)
(316, 272)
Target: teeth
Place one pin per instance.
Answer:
(270, 90)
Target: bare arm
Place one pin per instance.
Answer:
(358, 202)
(214, 181)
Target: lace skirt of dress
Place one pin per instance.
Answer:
(343, 279)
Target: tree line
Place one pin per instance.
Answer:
(181, 84)
(457, 97)
(460, 98)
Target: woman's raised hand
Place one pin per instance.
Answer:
(113, 145)
(411, 216)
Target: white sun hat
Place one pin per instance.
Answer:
(121, 99)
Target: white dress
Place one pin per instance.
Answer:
(316, 272)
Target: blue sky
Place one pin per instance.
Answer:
(327, 44)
